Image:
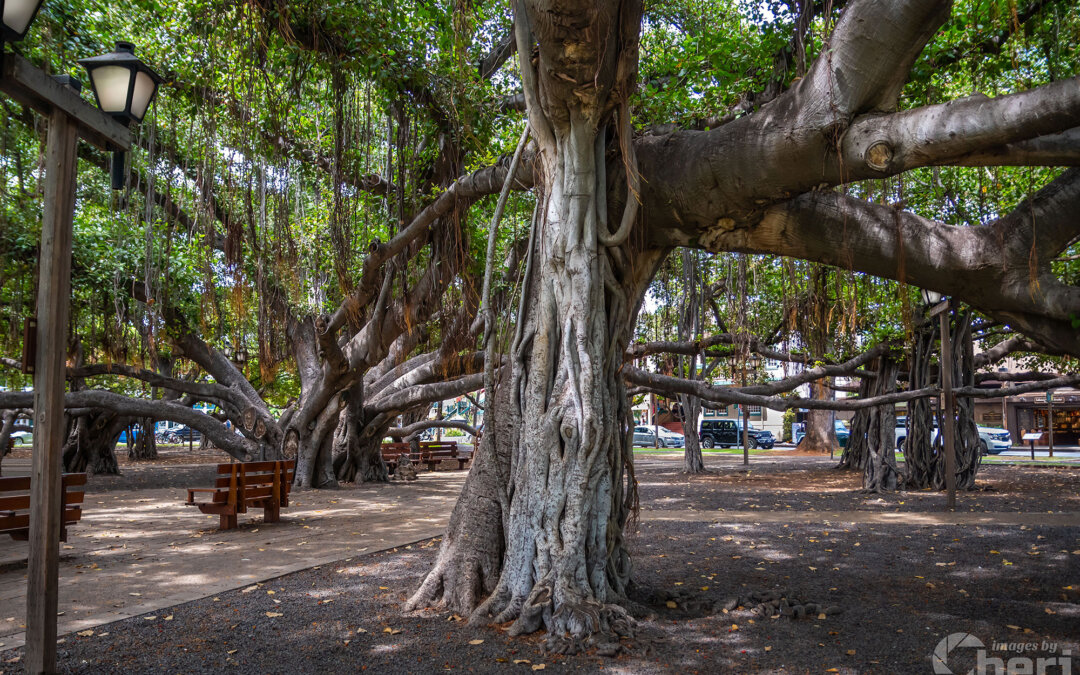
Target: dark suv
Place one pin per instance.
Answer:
(727, 433)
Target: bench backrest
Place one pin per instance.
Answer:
(15, 500)
(246, 481)
(395, 450)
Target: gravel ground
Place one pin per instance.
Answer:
(901, 590)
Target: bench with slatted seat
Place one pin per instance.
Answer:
(243, 485)
(15, 504)
(392, 451)
(431, 453)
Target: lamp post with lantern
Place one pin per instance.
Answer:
(938, 305)
(124, 87)
(70, 117)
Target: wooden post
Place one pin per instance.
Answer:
(54, 303)
(745, 422)
(1050, 419)
(69, 118)
(950, 407)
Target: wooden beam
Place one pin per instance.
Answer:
(29, 85)
(54, 308)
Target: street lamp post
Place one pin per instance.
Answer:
(939, 305)
(69, 118)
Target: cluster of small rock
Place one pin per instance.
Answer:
(780, 602)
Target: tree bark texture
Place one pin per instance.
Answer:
(570, 488)
(879, 433)
(91, 443)
(924, 446)
(689, 328)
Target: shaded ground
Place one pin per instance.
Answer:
(804, 484)
(902, 588)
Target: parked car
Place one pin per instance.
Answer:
(184, 434)
(645, 437)
(842, 433)
(22, 437)
(991, 439)
(728, 433)
(671, 439)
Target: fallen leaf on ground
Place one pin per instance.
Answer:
(85, 633)
(273, 614)
(476, 642)
(539, 666)
(392, 631)
(671, 604)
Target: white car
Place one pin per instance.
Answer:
(991, 439)
(22, 437)
(669, 438)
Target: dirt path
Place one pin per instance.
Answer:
(904, 574)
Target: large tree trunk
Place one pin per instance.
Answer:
(820, 424)
(91, 443)
(566, 411)
(145, 445)
(7, 426)
(689, 328)
(358, 442)
(922, 466)
(923, 450)
(879, 468)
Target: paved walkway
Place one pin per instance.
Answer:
(143, 551)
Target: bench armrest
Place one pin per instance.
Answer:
(191, 493)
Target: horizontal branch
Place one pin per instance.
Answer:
(666, 385)
(234, 444)
(402, 432)
(1041, 385)
(879, 145)
(205, 390)
(426, 393)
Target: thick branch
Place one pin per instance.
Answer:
(232, 443)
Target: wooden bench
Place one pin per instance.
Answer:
(431, 453)
(392, 451)
(243, 485)
(434, 452)
(15, 504)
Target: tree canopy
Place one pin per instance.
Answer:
(318, 187)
